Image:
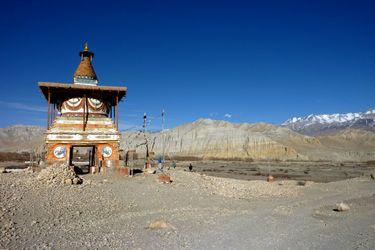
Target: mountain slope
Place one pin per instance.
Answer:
(20, 138)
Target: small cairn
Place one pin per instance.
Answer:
(59, 173)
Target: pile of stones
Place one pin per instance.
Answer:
(59, 173)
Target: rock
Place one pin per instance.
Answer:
(372, 175)
(158, 224)
(77, 181)
(270, 178)
(42, 164)
(301, 183)
(341, 207)
(68, 181)
(124, 171)
(151, 171)
(163, 178)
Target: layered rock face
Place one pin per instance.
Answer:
(207, 138)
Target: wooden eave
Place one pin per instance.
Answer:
(62, 91)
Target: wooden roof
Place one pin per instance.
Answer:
(62, 91)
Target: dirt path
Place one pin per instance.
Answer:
(200, 211)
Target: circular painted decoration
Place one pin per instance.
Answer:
(107, 151)
(59, 152)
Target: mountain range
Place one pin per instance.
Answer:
(328, 123)
(337, 137)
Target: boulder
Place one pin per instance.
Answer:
(68, 181)
(270, 178)
(158, 224)
(163, 178)
(151, 171)
(77, 180)
(341, 207)
(124, 171)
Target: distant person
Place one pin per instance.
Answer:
(126, 158)
(190, 167)
(160, 165)
(174, 164)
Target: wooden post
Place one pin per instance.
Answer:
(116, 114)
(85, 109)
(49, 109)
(53, 113)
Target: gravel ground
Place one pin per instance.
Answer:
(195, 211)
(284, 170)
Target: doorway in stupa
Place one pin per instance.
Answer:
(82, 158)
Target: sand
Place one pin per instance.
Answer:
(196, 211)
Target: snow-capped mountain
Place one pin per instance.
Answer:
(317, 124)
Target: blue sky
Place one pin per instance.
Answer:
(241, 61)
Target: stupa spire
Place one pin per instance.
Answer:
(85, 73)
(86, 48)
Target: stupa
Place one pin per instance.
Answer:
(83, 114)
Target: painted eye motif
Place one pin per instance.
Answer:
(95, 101)
(74, 102)
(59, 152)
(107, 151)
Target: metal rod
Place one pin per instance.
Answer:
(163, 136)
(144, 133)
(144, 123)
